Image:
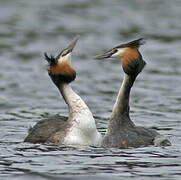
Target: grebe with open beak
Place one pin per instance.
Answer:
(121, 131)
(79, 128)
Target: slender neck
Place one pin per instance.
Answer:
(72, 99)
(122, 102)
(120, 113)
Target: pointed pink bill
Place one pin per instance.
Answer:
(105, 55)
(72, 45)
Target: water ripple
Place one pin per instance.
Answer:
(30, 28)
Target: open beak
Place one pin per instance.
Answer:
(72, 45)
(106, 55)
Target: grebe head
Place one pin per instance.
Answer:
(60, 69)
(129, 54)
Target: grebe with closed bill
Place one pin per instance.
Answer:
(79, 128)
(121, 131)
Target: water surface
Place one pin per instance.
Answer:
(30, 28)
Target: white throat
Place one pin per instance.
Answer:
(66, 58)
(83, 129)
(119, 53)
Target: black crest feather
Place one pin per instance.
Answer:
(51, 60)
(133, 44)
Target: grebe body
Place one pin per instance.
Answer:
(79, 128)
(121, 131)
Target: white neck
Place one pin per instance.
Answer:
(83, 127)
(72, 99)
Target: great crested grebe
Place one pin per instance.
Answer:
(79, 128)
(121, 131)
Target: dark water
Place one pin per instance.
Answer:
(29, 28)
